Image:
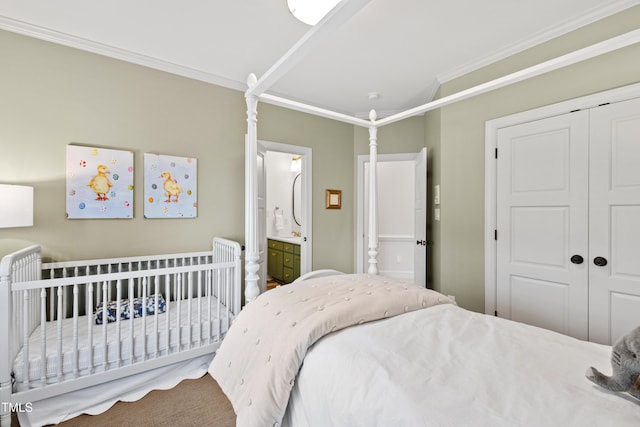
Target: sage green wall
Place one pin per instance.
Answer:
(462, 126)
(53, 95)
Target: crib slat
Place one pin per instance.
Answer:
(90, 297)
(155, 316)
(118, 318)
(43, 335)
(59, 324)
(75, 331)
(109, 270)
(209, 296)
(131, 341)
(219, 298)
(143, 337)
(199, 323)
(178, 311)
(189, 299)
(167, 285)
(25, 314)
(227, 300)
(105, 321)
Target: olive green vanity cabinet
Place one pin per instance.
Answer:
(283, 262)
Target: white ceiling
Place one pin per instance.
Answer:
(401, 49)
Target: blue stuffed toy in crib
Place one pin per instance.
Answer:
(148, 304)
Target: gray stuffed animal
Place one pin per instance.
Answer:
(625, 361)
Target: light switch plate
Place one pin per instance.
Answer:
(436, 195)
(436, 214)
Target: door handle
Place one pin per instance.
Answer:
(600, 261)
(577, 259)
(421, 242)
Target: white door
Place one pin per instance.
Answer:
(614, 232)
(420, 219)
(542, 225)
(402, 180)
(261, 228)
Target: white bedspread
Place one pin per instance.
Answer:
(258, 360)
(446, 366)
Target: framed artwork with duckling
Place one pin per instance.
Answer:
(170, 186)
(99, 183)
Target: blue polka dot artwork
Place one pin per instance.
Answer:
(170, 186)
(99, 183)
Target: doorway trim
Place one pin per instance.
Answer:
(490, 166)
(306, 249)
(362, 160)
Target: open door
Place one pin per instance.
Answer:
(402, 215)
(420, 218)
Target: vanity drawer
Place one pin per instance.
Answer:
(287, 260)
(288, 247)
(275, 244)
(288, 274)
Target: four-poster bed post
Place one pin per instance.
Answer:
(252, 255)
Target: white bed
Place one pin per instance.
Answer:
(435, 366)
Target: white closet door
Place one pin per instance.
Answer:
(542, 224)
(614, 221)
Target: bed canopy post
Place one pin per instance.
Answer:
(251, 289)
(373, 194)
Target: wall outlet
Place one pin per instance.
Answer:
(436, 214)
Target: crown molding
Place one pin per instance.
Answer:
(542, 37)
(68, 40)
(424, 96)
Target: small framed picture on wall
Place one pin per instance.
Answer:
(334, 199)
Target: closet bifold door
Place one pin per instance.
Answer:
(542, 223)
(614, 221)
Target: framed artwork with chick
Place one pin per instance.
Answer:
(99, 183)
(170, 186)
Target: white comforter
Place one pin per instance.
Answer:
(259, 358)
(445, 366)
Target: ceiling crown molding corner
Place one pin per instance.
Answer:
(587, 18)
(68, 40)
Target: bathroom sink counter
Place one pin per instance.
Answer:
(287, 239)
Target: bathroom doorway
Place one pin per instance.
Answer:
(285, 221)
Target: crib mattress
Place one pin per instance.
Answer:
(194, 331)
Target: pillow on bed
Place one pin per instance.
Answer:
(125, 313)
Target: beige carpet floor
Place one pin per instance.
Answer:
(198, 402)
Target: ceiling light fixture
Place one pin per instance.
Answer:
(310, 11)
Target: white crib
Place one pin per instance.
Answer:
(54, 316)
